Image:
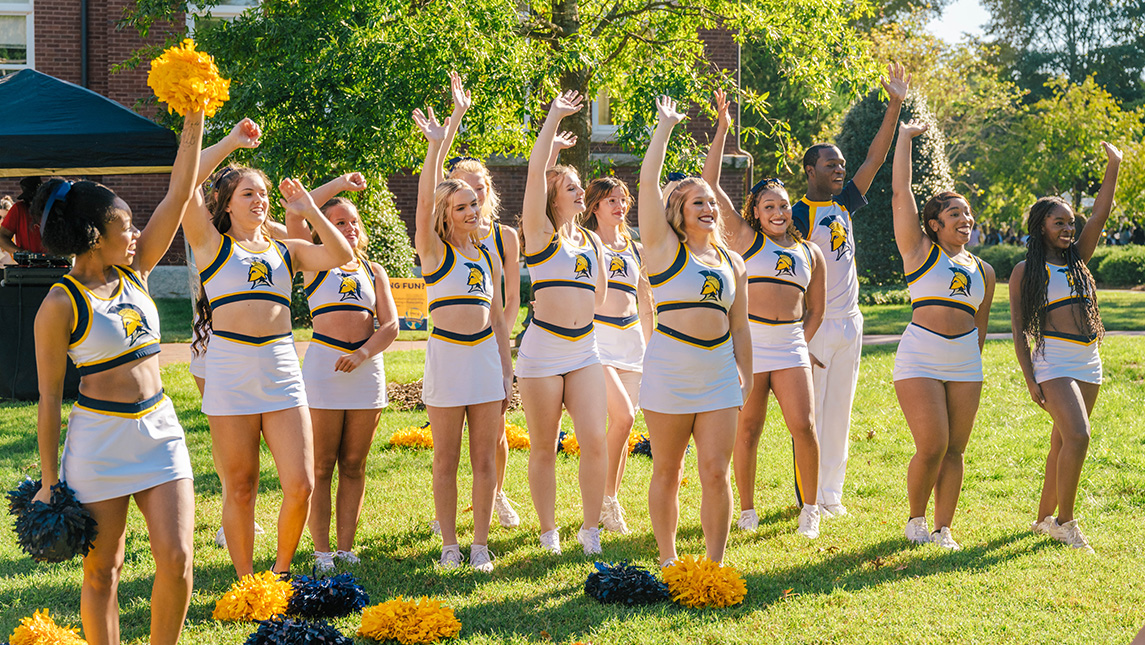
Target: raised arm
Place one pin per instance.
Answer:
(426, 241)
(334, 250)
(562, 141)
(896, 85)
(534, 225)
(156, 237)
(462, 101)
(1102, 205)
(714, 162)
(296, 227)
(655, 233)
(911, 241)
(244, 134)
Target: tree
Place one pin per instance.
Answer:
(876, 255)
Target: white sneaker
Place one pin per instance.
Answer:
(221, 538)
(1045, 526)
(809, 521)
(589, 539)
(323, 561)
(917, 530)
(435, 528)
(667, 563)
(347, 556)
(451, 557)
(748, 520)
(505, 513)
(828, 511)
(612, 516)
(1070, 533)
(258, 529)
(551, 541)
(480, 558)
(944, 539)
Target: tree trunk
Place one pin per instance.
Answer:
(566, 16)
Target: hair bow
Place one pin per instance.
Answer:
(59, 193)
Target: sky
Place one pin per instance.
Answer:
(960, 17)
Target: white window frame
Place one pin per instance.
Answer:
(602, 133)
(222, 11)
(26, 9)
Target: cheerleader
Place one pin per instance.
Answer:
(694, 380)
(557, 362)
(468, 349)
(786, 301)
(622, 325)
(938, 366)
(1056, 308)
(123, 439)
(254, 387)
(501, 240)
(344, 372)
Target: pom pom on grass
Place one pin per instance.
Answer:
(642, 446)
(326, 597)
(258, 596)
(287, 631)
(518, 437)
(624, 583)
(413, 437)
(568, 444)
(405, 621)
(703, 583)
(52, 532)
(40, 629)
(188, 80)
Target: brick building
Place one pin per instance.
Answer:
(78, 41)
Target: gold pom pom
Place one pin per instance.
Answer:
(40, 629)
(413, 437)
(405, 621)
(633, 439)
(569, 445)
(518, 437)
(259, 596)
(188, 80)
(703, 583)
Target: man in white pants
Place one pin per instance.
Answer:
(823, 216)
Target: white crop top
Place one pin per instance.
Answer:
(564, 264)
(110, 332)
(623, 267)
(342, 290)
(943, 281)
(1059, 287)
(237, 274)
(461, 280)
(767, 261)
(690, 283)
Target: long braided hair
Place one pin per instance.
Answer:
(1035, 281)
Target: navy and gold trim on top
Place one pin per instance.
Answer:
(673, 270)
(944, 302)
(661, 307)
(770, 280)
(447, 263)
(81, 309)
(756, 244)
(226, 249)
(545, 254)
(931, 260)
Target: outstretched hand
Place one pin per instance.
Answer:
(666, 111)
(564, 140)
(427, 123)
(723, 119)
(354, 181)
(566, 103)
(1112, 152)
(896, 82)
(246, 134)
(912, 128)
(462, 98)
(295, 198)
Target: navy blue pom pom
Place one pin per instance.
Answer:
(52, 532)
(288, 631)
(643, 446)
(561, 442)
(624, 583)
(326, 597)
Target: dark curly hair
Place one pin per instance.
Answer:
(1035, 281)
(76, 222)
(748, 212)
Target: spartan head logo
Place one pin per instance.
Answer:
(713, 287)
(838, 235)
(350, 288)
(134, 323)
(617, 266)
(259, 273)
(1068, 277)
(476, 279)
(583, 266)
(784, 263)
(960, 282)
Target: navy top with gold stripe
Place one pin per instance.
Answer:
(943, 281)
(113, 331)
(237, 273)
(342, 290)
(564, 264)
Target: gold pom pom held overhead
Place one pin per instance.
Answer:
(188, 80)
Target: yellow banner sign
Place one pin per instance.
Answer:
(412, 303)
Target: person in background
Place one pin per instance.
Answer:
(5, 204)
(18, 232)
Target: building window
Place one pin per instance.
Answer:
(226, 11)
(603, 127)
(17, 45)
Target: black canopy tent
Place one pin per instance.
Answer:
(52, 127)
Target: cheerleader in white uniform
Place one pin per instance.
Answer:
(938, 366)
(499, 240)
(786, 288)
(123, 439)
(697, 368)
(557, 363)
(1053, 306)
(622, 326)
(344, 373)
(468, 372)
(254, 386)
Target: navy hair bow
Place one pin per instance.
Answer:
(676, 176)
(456, 160)
(763, 183)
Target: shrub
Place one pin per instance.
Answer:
(1002, 257)
(1099, 254)
(389, 239)
(1122, 267)
(884, 296)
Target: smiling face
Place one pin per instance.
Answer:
(954, 222)
(249, 203)
(567, 198)
(699, 213)
(828, 173)
(1058, 228)
(464, 217)
(345, 219)
(773, 210)
(117, 244)
(612, 210)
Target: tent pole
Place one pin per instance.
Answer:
(83, 43)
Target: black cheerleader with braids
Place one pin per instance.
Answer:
(1034, 283)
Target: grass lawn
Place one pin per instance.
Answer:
(859, 582)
